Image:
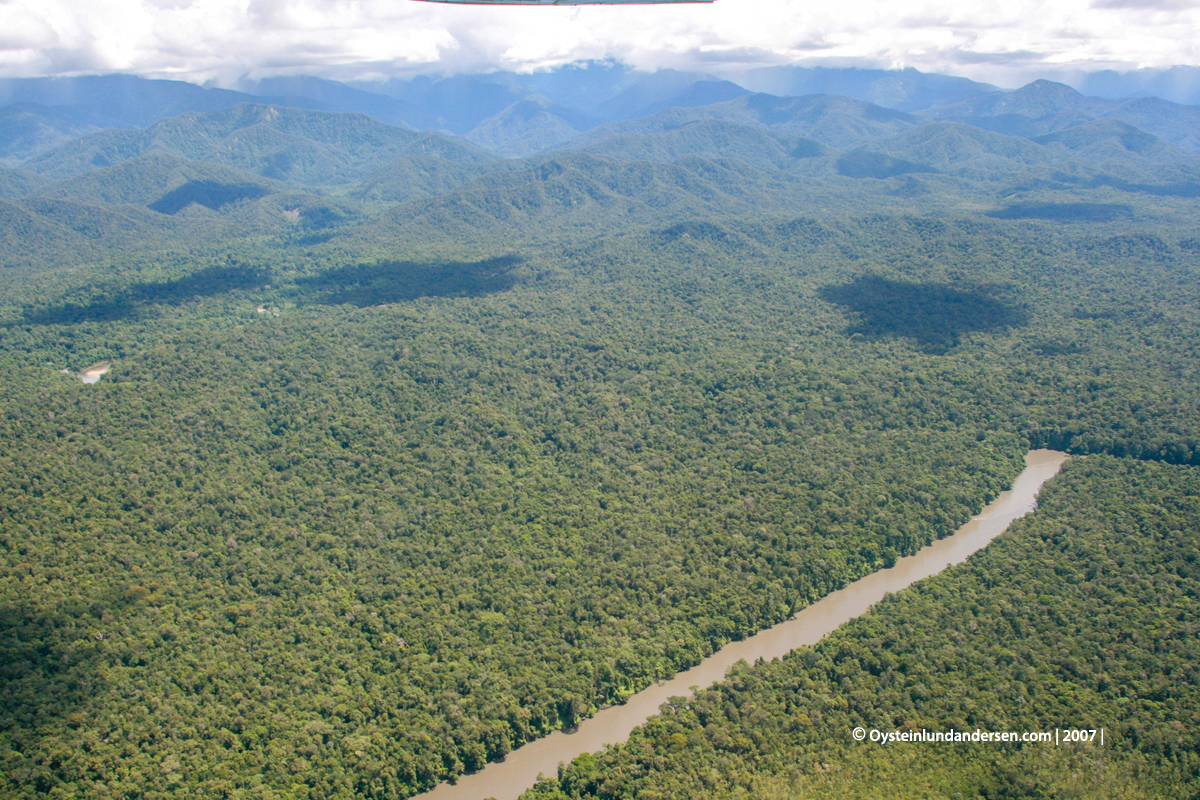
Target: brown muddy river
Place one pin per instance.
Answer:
(506, 780)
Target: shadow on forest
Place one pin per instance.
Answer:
(1064, 212)
(865, 164)
(47, 671)
(396, 281)
(933, 315)
(209, 194)
(1179, 189)
(131, 301)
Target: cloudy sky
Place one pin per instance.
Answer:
(1006, 43)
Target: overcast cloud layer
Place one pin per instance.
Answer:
(221, 40)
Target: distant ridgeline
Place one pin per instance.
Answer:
(418, 446)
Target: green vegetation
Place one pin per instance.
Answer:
(865, 164)
(285, 144)
(932, 315)
(209, 194)
(1082, 616)
(542, 516)
(710, 139)
(376, 491)
(1065, 212)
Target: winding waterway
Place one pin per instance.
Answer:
(506, 780)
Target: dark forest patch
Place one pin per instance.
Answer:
(801, 234)
(865, 164)
(807, 148)
(47, 669)
(319, 223)
(909, 187)
(209, 194)
(1140, 246)
(396, 281)
(1048, 347)
(323, 217)
(1181, 189)
(131, 302)
(935, 316)
(1178, 189)
(699, 231)
(1065, 212)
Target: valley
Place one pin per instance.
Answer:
(417, 446)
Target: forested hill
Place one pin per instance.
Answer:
(519, 115)
(245, 171)
(504, 108)
(289, 144)
(394, 472)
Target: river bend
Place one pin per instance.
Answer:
(506, 780)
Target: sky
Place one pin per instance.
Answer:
(220, 41)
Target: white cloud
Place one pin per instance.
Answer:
(222, 39)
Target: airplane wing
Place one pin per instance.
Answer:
(564, 2)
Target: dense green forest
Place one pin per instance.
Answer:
(1082, 616)
(387, 479)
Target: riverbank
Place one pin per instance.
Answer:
(506, 780)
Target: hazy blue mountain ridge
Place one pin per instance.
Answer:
(145, 179)
(28, 128)
(15, 183)
(73, 106)
(528, 126)
(705, 166)
(517, 115)
(1102, 136)
(686, 91)
(1179, 84)
(287, 144)
(904, 90)
(710, 138)
(1044, 107)
(755, 154)
(1105, 148)
(832, 120)
(602, 91)
(118, 100)
(327, 95)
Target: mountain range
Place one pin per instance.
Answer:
(516, 115)
(535, 165)
(441, 413)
